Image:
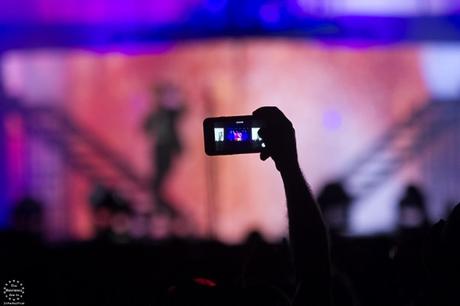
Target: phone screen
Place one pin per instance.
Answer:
(232, 135)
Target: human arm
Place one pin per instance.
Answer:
(307, 231)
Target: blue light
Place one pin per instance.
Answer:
(215, 6)
(332, 120)
(270, 13)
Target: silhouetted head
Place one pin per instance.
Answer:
(28, 216)
(451, 232)
(111, 213)
(412, 212)
(168, 96)
(442, 260)
(254, 238)
(335, 203)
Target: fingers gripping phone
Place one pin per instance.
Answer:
(232, 135)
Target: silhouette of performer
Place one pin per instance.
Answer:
(161, 124)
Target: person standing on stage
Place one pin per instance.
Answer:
(161, 124)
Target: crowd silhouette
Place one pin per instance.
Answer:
(317, 265)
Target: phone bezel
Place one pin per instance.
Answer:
(208, 131)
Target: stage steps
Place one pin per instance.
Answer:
(85, 152)
(400, 145)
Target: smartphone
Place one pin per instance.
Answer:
(232, 135)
